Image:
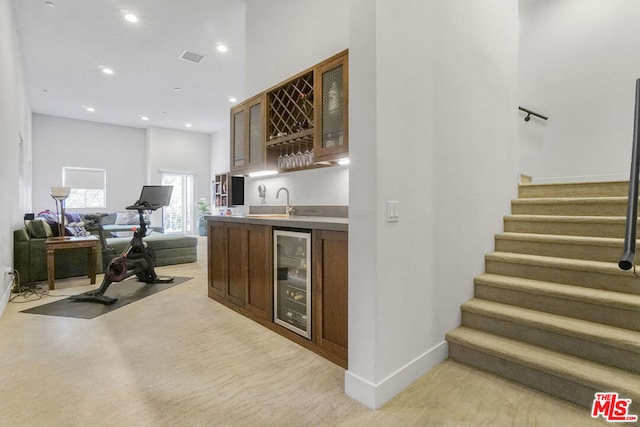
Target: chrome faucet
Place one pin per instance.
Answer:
(289, 207)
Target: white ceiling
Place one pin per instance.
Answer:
(65, 47)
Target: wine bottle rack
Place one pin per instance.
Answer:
(290, 117)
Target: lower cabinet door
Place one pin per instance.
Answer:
(331, 288)
(259, 296)
(217, 259)
(237, 262)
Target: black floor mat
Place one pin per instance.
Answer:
(127, 292)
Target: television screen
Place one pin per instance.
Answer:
(156, 195)
(237, 191)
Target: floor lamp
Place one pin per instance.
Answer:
(60, 194)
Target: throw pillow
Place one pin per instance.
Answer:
(38, 229)
(122, 218)
(134, 218)
(73, 217)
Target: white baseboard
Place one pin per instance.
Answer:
(376, 395)
(4, 300)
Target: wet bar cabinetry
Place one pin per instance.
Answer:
(291, 280)
(300, 123)
(239, 266)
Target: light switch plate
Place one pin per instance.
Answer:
(393, 211)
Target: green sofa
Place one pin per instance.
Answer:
(30, 254)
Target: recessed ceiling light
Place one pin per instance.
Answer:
(233, 99)
(131, 17)
(222, 47)
(50, 4)
(176, 88)
(107, 70)
(90, 109)
(188, 125)
(145, 118)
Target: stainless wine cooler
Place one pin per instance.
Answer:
(292, 280)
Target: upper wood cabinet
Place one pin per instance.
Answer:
(332, 115)
(247, 136)
(298, 124)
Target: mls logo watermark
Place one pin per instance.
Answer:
(612, 408)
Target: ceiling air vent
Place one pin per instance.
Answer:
(192, 56)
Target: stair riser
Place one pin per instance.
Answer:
(584, 348)
(588, 279)
(565, 228)
(592, 189)
(570, 209)
(591, 311)
(562, 388)
(561, 250)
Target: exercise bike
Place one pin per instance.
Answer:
(136, 259)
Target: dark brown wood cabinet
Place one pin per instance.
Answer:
(239, 265)
(241, 276)
(304, 118)
(331, 140)
(247, 136)
(330, 292)
(259, 271)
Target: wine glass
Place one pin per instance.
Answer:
(280, 160)
(285, 159)
(306, 157)
(299, 158)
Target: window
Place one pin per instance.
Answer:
(88, 187)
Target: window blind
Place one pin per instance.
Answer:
(89, 179)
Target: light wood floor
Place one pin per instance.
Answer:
(177, 358)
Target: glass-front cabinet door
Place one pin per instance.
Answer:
(237, 139)
(332, 139)
(292, 281)
(247, 136)
(256, 136)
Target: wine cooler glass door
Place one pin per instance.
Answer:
(292, 281)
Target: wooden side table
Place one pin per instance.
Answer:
(53, 244)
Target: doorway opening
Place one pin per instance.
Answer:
(178, 216)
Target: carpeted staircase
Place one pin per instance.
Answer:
(553, 311)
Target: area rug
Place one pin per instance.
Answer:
(127, 292)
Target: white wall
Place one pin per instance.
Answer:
(312, 187)
(15, 124)
(444, 90)
(285, 37)
(176, 151)
(220, 152)
(578, 65)
(59, 142)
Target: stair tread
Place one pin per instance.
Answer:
(581, 219)
(561, 238)
(575, 200)
(556, 262)
(596, 332)
(585, 372)
(573, 189)
(571, 292)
